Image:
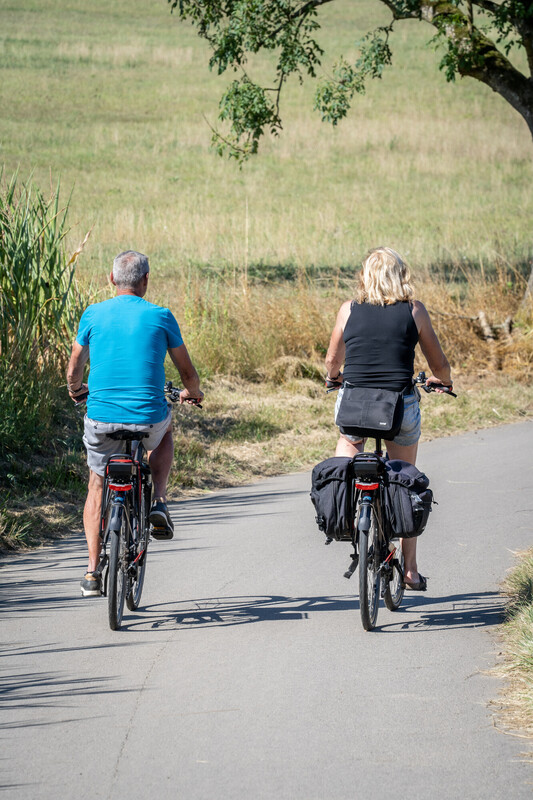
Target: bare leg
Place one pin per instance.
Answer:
(91, 518)
(408, 545)
(160, 461)
(347, 448)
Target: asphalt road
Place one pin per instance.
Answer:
(247, 674)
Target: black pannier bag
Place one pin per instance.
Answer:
(408, 499)
(332, 496)
(364, 411)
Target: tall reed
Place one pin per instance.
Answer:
(40, 305)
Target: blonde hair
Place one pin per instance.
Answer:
(384, 278)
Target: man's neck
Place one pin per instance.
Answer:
(133, 292)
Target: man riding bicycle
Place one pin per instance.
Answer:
(126, 339)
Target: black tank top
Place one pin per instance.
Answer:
(380, 346)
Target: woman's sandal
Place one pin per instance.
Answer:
(420, 586)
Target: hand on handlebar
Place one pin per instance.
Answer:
(332, 384)
(185, 397)
(182, 396)
(433, 384)
(438, 387)
(80, 396)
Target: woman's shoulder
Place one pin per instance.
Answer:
(418, 307)
(345, 310)
(420, 316)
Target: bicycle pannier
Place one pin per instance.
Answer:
(408, 499)
(332, 496)
(364, 411)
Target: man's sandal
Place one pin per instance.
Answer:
(420, 586)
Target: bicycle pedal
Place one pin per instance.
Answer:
(161, 533)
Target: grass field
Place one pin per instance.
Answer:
(111, 96)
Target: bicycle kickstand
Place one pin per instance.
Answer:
(353, 566)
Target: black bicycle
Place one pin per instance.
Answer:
(124, 521)
(377, 551)
(378, 555)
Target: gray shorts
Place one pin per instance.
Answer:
(99, 446)
(409, 432)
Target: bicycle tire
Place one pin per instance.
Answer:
(394, 591)
(369, 581)
(117, 576)
(141, 537)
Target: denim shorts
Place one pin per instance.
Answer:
(409, 432)
(99, 446)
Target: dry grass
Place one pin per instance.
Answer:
(515, 706)
(233, 326)
(29, 521)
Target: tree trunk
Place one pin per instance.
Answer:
(498, 73)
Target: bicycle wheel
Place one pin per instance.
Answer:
(117, 571)
(369, 573)
(141, 537)
(394, 592)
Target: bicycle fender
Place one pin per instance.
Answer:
(364, 518)
(115, 522)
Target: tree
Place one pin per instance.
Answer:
(476, 36)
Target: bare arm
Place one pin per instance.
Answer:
(182, 361)
(337, 348)
(430, 346)
(76, 365)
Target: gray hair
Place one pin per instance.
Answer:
(129, 268)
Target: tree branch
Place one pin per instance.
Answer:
(487, 5)
(309, 6)
(404, 14)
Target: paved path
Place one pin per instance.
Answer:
(247, 674)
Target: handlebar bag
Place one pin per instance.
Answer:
(408, 499)
(364, 412)
(332, 497)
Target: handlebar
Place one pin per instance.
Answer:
(420, 380)
(172, 393)
(81, 398)
(332, 386)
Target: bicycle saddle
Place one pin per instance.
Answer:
(128, 436)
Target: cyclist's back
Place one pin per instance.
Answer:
(128, 339)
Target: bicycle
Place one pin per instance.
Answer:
(125, 527)
(379, 558)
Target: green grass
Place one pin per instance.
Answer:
(112, 97)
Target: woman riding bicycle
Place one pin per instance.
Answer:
(375, 337)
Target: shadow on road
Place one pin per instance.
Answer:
(33, 690)
(478, 609)
(224, 508)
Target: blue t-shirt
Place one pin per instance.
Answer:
(128, 340)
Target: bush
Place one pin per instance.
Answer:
(40, 306)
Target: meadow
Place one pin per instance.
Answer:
(115, 98)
